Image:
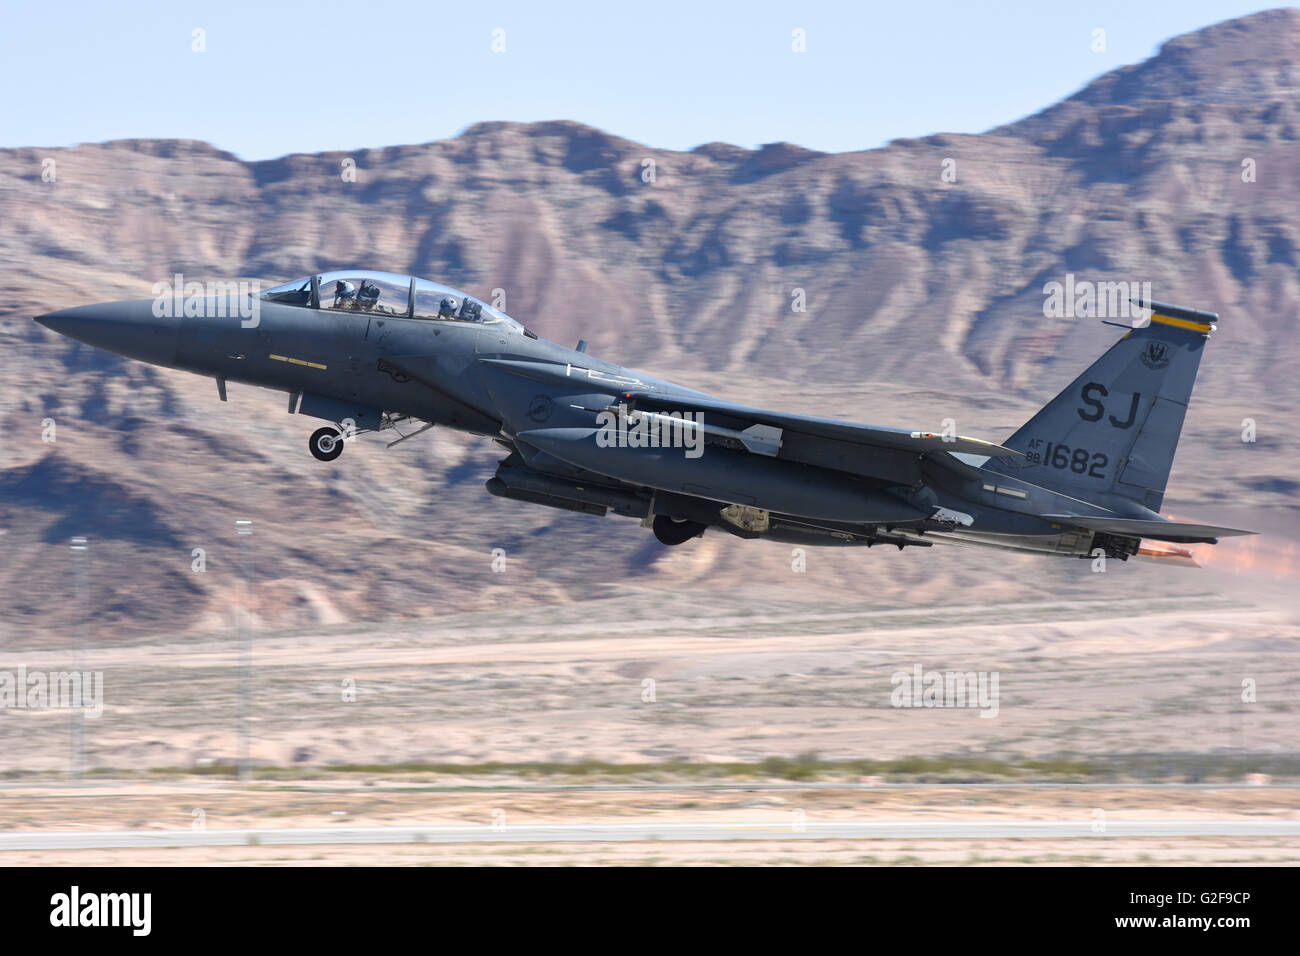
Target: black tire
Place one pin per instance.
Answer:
(674, 531)
(326, 444)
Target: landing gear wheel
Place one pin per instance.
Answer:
(326, 444)
(673, 531)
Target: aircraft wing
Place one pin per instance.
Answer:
(888, 455)
(1178, 531)
(836, 429)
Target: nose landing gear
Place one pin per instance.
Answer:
(326, 444)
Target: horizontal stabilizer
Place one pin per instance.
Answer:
(1143, 528)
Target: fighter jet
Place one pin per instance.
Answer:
(375, 352)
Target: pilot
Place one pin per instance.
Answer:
(447, 308)
(345, 295)
(367, 296)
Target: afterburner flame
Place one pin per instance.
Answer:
(1259, 553)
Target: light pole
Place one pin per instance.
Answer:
(77, 731)
(244, 529)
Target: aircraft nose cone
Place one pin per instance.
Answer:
(51, 320)
(75, 323)
(127, 328)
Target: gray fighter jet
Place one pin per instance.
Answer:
(373, 352)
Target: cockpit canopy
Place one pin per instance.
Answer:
(385, 293)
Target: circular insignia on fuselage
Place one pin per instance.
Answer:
(539, 409)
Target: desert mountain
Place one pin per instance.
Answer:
(924, 299)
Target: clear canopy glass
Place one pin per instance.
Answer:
(387, 293)
(297, 292)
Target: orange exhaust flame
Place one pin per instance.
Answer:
(1167, 553)
(1258, 554)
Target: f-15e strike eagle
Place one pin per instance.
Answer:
(373, 351)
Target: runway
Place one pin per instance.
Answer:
(643, 832)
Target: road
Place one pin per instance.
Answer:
(639, 832)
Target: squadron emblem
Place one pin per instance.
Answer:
(1155, 355)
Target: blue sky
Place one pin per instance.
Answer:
(279, 77)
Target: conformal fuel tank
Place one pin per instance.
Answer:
(732, 477)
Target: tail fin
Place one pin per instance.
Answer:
(1113, 431)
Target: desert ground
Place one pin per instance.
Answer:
(654, 704)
